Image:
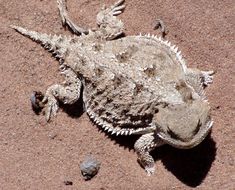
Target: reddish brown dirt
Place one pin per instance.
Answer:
(40, 155)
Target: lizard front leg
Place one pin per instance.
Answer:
(207, 77)
(199, 79)
(143, 146)
(68, 93)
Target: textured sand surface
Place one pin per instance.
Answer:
(39, 155)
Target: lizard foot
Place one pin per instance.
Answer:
(117, 8)
(207, 77)
(51, 105)
(160, 24)
(150, 170)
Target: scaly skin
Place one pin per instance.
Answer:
(134, 85)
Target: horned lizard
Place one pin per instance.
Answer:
(133, 85)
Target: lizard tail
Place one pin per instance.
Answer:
(201, 135)
(53, 43)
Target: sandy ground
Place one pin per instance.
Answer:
(40, 155)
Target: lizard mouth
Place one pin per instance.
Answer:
(196, 131)
(198, 138)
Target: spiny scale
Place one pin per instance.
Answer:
(173, 48)
(143, 86)
(53, 43)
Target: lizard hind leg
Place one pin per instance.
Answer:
(66, 19)
(68, 93)
(143, 146)
(207, 77)
(109, 25)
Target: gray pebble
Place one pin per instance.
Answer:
(89, 167)
(36, 101)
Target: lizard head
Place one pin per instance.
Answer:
(184, 122)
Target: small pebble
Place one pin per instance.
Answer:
(89, 167)
(68, 182)
(52, 136)
(36, 101)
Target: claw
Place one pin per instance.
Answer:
(119, 8)
(117, 13)
(150, 170)
(51, 107)
(209, 72)
(118, 3)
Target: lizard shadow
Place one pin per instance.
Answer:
(75, 110)
(189, 166)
